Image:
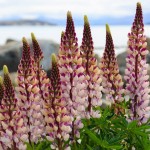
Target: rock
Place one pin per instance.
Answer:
(148, 43)
(10, 53)
(121, 59)
(10, 40)
(98, 58)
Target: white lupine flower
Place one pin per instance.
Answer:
(136, 75)
(73, 80)
(112, 80)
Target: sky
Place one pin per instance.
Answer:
(57, 9)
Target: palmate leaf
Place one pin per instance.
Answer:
(134, 128)
(132, 124)
(139, 133)
(102, 143)
(119, 123)
(144, 127)
(104, 121)
(144, 143)
(137, 136)
(115, 140)
(93, 137)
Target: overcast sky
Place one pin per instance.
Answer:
(32, 9)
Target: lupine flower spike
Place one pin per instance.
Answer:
(10, 117)
(29, 99)
(91, 70)
(73, 81)
(57, 116)
(37, 52)
(136, 70)
(111, 79)
(42, 79)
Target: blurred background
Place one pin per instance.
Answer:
(47, 19)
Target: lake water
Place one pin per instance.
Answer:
(119, 34)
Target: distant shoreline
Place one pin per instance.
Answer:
(26, 22)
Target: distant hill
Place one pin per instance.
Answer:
(25, 22)
(47, 20)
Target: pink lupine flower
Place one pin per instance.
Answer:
(73, 81)
(111, 79)
(28, 97)
(57, 118)
(42, 79)
(10, 117)
(91, 70)
(38, 54)
(137, 86)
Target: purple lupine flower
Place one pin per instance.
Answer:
(10, 117)
(28, 96)
(38, 54)
(91, 70)
(137, 86)
(57, 116)
(111, 79)
(42, 79)
(73, 80)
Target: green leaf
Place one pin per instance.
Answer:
(42, 145)
(144, 127)
(89, 148)
(140, 133)
(132, 124)
(115, 147)
(29, 147)
(93, 137)
(115, 139)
